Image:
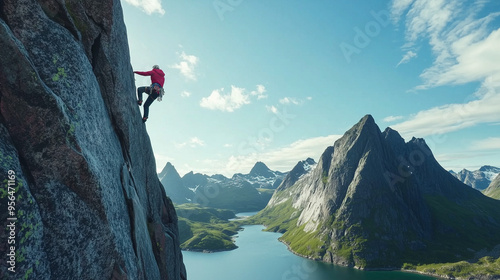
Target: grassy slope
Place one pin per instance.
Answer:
(471, 229)
(494, 194)
(283, 218)
(486, 266)
(206, 229)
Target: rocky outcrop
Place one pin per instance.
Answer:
(374, 201)
(300, 169)
(88, 202)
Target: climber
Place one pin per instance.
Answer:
(155, 90)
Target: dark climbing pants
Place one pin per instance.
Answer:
(152, 97)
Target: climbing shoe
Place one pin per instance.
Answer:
(144, 119)
(139, 102)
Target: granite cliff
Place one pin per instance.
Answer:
(86, 200)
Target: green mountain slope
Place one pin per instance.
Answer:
(206, 229)
(374, 201)
(493, 189)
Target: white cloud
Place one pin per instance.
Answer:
(463, 44)
(187, 65)
(272, 109)
(185, 94)
(259, 92)
(465, 48)
(407, 57)
(289, 100)
(491, 143)
(148, 6)
(398, 7)
(392, 118)
(238, 97)
(193, 142)
(225, 102)
(472, 61)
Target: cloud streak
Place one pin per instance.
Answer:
(465, 50)
(451, 117)
(407, 57)
(392, 118)
(148, 6)
(491, 143)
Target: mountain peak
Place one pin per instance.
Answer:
(489, 168)
(376, 198)
(301, 168)
(365, 126)
(167, 169)
(260, 169)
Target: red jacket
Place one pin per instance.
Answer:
(157, 76)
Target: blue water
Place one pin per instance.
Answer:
(261, 256)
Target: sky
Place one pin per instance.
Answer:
(279, 81)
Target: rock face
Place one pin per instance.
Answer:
(300, 169)
(374, 201)
(88, 201)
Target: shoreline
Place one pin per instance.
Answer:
(208, 251)
(436, 276)
(439, 277)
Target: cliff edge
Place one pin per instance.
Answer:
(80, 197)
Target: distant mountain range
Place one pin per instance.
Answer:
(241, 193)
(374, 201)
(479, 179)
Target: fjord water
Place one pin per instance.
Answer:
(260, 256)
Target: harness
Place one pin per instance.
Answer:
(161, 92)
